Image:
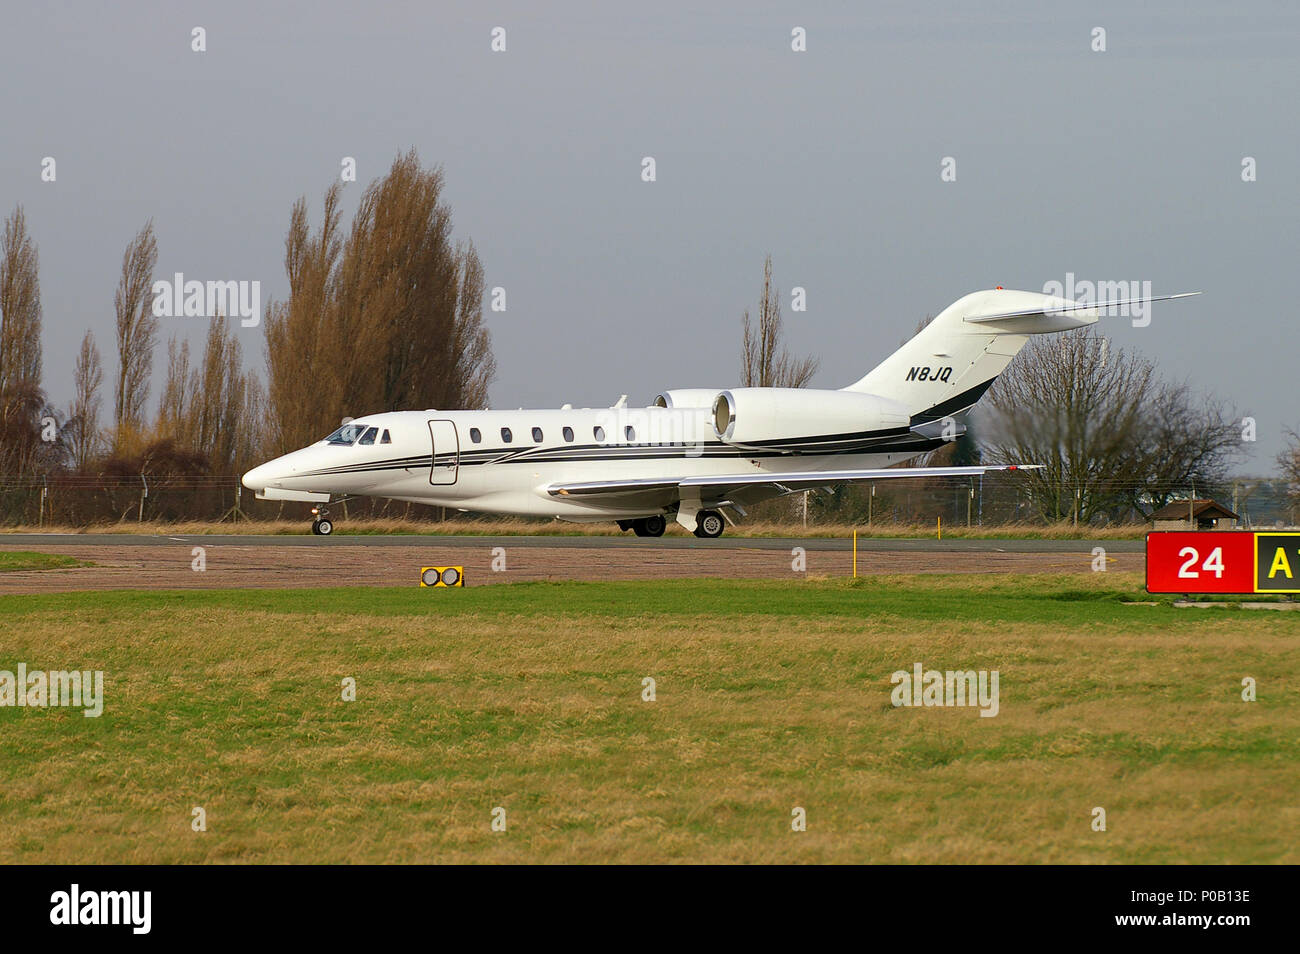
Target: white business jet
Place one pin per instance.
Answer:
(695, 453)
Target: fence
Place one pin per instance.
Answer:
(994, 499)
(84, 501)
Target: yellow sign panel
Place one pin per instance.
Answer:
(442, 576)
(1277, 562)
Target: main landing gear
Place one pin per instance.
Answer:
(322, 525)
(709, 524)
(646, 526)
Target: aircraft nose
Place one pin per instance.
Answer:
(257, 478)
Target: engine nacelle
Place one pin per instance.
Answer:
(770, 418)
(686, 397)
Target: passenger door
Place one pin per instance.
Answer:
(445, 452)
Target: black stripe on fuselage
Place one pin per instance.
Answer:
(624, 452)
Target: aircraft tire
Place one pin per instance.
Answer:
(324, 527)
(650, 526)
(709, 524)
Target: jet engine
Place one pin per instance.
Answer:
(686, 397)
(777, 418)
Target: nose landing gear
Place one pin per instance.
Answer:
(322, 525)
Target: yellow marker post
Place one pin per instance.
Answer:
(938, 522)
(855, 554)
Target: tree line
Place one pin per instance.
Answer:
(383, 314)
(386, 314)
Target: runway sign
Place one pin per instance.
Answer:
(442, 576)
(1222, 561)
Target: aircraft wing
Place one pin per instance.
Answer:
(723, 486)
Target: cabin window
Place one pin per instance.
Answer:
(385, 439)
(568, 434)
(506, 436)
(598, 433)
(369, 436)
(475, 435)
(537, 435)
(631, 434)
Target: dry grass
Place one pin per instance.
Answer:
(508, 526)
(529, 697)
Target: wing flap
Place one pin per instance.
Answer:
(588, 488)
(785, 482)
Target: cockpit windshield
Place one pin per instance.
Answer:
(347, 434)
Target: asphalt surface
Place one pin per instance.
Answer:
(831, 544)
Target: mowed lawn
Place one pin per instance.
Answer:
(26, 560)
(769, 696)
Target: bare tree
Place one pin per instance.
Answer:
(1112, 438)
(173, 408)
(21, 415)
(20, 307)
(253, 439)
(1065, 406)
(405, 287)
(21, 399)
(1184, 439)
(764, 360)
(300, 342)
(83, 416)
(217, 398)
(205, 410)
(472, 364)
(389, 318)
(136, 330)
(1288, 462)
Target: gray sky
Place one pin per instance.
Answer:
(1117, 165)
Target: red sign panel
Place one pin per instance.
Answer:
(1214, 561)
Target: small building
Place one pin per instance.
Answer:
(1193, 515)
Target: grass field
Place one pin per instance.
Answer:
(769, 696)
(26, 560)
